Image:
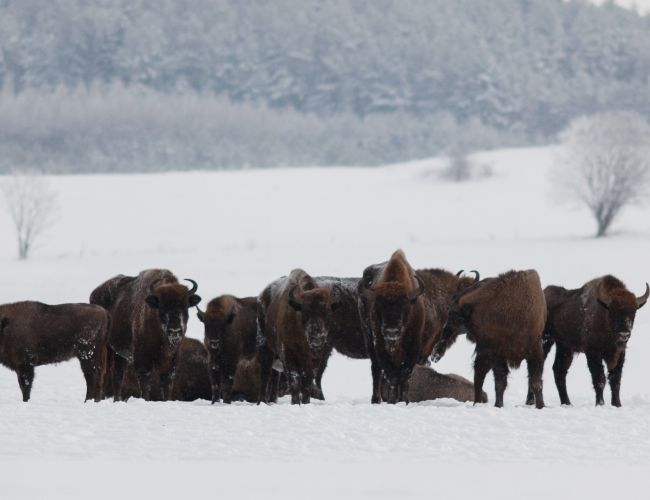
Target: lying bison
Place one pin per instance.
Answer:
(34, 334)
(230, 327)
(596, 319)
(427, 384)
(191, 381)
(392, 310)
(505, 318)
(292, 333)
(149, 319)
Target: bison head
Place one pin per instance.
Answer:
(621, 306)
(314, 306)
(219, 315)
(172, 301)
(390, 305)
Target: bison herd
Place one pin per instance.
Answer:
(130, 340)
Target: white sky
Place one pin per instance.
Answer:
(642, 5)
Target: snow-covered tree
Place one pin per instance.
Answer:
(31, 203)
(605, 164)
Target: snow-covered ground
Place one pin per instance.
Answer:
(236, 231)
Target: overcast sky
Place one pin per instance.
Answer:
(642, 5)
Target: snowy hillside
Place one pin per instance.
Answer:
(234, 232)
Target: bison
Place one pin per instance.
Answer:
(504, 317)
(191, 382)
(149, 319)
(292, 334)
(34, 334)
(392, 311)
(596, 319)
(427, 384)
(230, 334)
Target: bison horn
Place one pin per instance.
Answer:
(640, 301)
(194, 286)
(153, 284)
(477, 276)
(292, 300)
(420, 290)
(459, 273)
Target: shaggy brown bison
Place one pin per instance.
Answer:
(149, 319)
(230, 327)
(596, 319)
(292, 331)
(34, 334)
(392, 310)
(427, 384)
(505, 318)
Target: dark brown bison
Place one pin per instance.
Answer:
(149, 319)
(596, 319)
(292, 334)
(191, 381)
(392, 310)
(230, 326)
(34, 334)
(505, 318)
(427, 384)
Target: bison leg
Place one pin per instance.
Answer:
(535, 385)
(561, 365)
(119, 367)
(500, 370)
(377, 377)
(226, 387)
(614, 376)
(306, 382)
(481, 367)
(25, 380)
(595, 364)
(215, 382)
(294, 386)
(266, 367)
(144, 384)
(166, 381)
(91, 373)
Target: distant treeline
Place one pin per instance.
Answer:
(157, 84)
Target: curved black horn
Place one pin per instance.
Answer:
(198, 309)
(153, 284)
(415, 294)
(640, 301)
(194, 285)
(477, 276)
(459, 273)
(292, 299)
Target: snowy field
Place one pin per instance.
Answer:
(234, 232)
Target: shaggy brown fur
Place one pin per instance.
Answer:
(150, 313)
(292, 329)
(505, 318)
(596, 319)
(392, 311)
(34, 334)
(230, 326)
(427, 384)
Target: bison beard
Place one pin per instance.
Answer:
(34, 334)
(596, 319)
(149, 313)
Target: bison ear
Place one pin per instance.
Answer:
(231, 318)
(602, 303)
(194, 300)
(152, 300)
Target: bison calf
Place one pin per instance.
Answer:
(230, 334)
(34, 334)
(505, 318)
(596, 319)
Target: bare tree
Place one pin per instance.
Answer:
(605, 164)
(31, 204)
